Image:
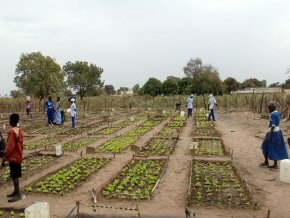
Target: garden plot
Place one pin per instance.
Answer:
(138, 131)
(136, 181)
(49, 129)
(177, 122)
(169, 132)
(79, 143)
(68, 178)
(107, 131)
(30, 164)
(205, 131)
(13, 213)
(77, 130)
(41, 143)
(209, 147)
(122, 124)
(151, 123)
(158, 146)
(217, 183)
(117, 145)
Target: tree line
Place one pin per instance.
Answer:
(38, 75)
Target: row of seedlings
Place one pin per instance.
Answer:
(13, 213)
(215, 182)
(140, 176)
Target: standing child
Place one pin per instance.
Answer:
(274, 147)
(14, 155)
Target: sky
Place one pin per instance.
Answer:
(133, 40)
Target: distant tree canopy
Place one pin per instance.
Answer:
(184, 85)
(170, 86)
(231, 84)
(253, 83)
(83, 77)
(16, 94)
(136, 89)
(110, 90)
(274, 85)
(39, 75)
(152, 87)
(205, 78)
(286, 84)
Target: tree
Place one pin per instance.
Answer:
(122, 89)
(152, 87)
(286, 84)
(253, 83)
(136, 89)
(83, 77)
(184, 85)
(170, 86)
(39, 75)
(110, 90)
(16, 94)
(193, 67)
(231, 84)
(274, 85)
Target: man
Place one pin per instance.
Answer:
(73, 112)
(14, 155)
(211, 105)
(190, 105)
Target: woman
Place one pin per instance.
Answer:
(274, 147)
(50, 110)
(58, 117)
(14, 155)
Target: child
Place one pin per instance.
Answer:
(14, 155)
(274, 147)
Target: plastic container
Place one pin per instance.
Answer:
(182, 113)
(58, 150)
(285, 171)
(37, 210)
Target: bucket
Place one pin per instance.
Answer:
(182, 113)
(37, 210)
(58, 150)
(285, 171)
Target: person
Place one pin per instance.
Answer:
(177, 107)
(29, 108)
(190, 105)
(58, 115)
(50, 110)
(73, 112)
(288, 105)
(14, 155)
(211, 106)
(274, 147)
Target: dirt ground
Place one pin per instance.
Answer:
(241, 132)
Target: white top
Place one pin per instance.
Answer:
(211, 102)
(73, 109)
(190, 103)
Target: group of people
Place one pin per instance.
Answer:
(212, 104)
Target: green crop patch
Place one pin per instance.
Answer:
(13, 213)
(67, 179)
(29, 164)
(122, 124)
(216, 183)
(158, 146)
(210, 147)
(169, 132)
(108, 130)
(117, 145)
(41, 143)
(151, 123)
(136, 180)
(79, 143)
(138, 131)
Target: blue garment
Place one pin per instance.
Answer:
(276, 149)
(190, 103)
(50, 111)
(58, 117)
(211, 115)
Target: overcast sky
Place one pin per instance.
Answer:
(133, 40)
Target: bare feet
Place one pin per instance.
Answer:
(273, 167)
(264, 164)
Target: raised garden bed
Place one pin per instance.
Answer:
(49, 129)
(117, 145)
(122, 123)
(11, 213)
(209, 147)
(177, 122)
(29, 164)
(150, 123)
(158, 146)
(41, 143)
(169, 132)
(205, 131)
(138, 131)
(217, 183)
(68, 178)
(137, 180)
(77, 130)
(107, 130)
(79, 143)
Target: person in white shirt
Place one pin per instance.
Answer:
(73, 112)
(190, 105)
(211, 105)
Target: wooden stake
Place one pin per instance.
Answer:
(78, 207)
(268, 215)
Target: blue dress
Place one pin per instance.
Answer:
(277, 149)
(58, 117)
(50, 111)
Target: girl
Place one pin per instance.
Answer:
(274, 147)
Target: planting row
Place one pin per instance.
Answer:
(29, 164)
(68, 178)
(117, 145)
(13, 213)
(216, 183)
(177, 122)
(136, 180)
(210, 147)
(158, 146)
(79, 143)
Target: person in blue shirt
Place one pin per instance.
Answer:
(73, 112)
(274, 147)
(50, 110)
(190, 105)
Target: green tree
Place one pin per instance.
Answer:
(286, 84)
(184, 85)
(193, 67)
(152, 87)
(170, 86)
(16, 94)
(39, 75)
(84, 78)
(110, 89)
(122, 89)
(274, 85)
(231, 84)
(136, 89)
(253, 83)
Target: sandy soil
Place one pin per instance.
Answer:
(239, 133)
